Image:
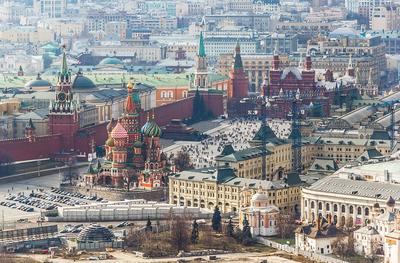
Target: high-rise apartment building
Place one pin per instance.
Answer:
(49, 8)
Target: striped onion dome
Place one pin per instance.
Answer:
(119, 132)
(151, 129)
(110, 142)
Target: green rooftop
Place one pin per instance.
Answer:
(156, 80)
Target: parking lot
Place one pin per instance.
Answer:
(18, 199)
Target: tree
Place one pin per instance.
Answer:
(343, 246)
(200, 111)
(71, 173)
(179, 233)
(127, 180)
(148, 228)
(376, 251)
(100, 151)
(285, 222)
(195, 232)
(246, 232)
(317, 111)
(182, 161)
(229, 228)
(199, 108)
(5, 163)
(216, 220)
(339, 247)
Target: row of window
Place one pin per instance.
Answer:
(335, 208)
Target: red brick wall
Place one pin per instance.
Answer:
(183, 109)
(22, 149)
(47, 146)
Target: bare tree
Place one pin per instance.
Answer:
(339, 247)
(376, 252)
(5, 163)
(180, 236)
(135, 239)
(343, 246)
(285, 222)
(182, 161)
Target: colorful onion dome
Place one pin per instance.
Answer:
(110, 142)
(138, 144)
(151, 129)
(119, 132)
(130, 106)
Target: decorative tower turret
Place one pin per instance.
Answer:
(110, 142)
(119, 151)
(130, 120)
(275, 59)
(201, 72)
(30, 131)
(350, 67)
(63, 116)
(239, 87)
(152, 132)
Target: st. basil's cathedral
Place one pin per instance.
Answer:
(132, 153)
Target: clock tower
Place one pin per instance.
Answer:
(63, 115)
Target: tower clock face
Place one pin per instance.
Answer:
(61, 96)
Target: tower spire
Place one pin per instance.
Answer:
(130, 107)
(238, 58)
(202, 50)
(350, 67)
(64, 66)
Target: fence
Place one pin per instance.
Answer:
(296, 251)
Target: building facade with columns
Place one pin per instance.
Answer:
(210, 187)
(349, 195)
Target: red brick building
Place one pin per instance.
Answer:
(238, 88)
(285, 84)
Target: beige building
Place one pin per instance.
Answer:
(25, 34)
(385, 18)
(278, 153)
(278, 157)
(39, 119)
(207, 188)
(64, 27)
(9, 107)
(150, 53)
(351, 193)
(117, 28)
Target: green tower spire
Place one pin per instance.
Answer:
(202, 50)
(64, 66)
(238, 59)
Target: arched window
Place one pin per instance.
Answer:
(366, 211)
(163, 94)
(328, 207)
(320, 206)
(343, 209)
(312, 204)
(305, 203)
(359, 211)
(335, 208)
(351, 210)
(170, 94)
